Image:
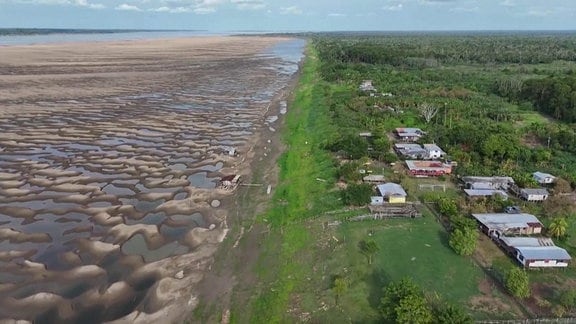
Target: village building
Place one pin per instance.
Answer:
(409, 134)
(417, 151)
(537, 194)
(367, 86)
(434, 151)
(428, 168)
(487, 183)
(410, 150)
(374, 178)
(496, 225)
(391, 193)
(543, 178)
(535, 252)
(482, 193)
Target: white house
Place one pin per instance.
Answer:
(542, 256)
(535, 252)
(538, 194)
(392, 192)
(543, 178)
(434, 151)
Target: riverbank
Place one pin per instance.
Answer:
(273, 230)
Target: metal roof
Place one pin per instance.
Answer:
(484, 192)
(409, 130)
(427, 165)
(432, 147)
(539, 174)
(391, 189)
(504, 221)
(473, 179)
(374, 178)
(408, 146)
(527, 241)
(536, 191)
(543, 253)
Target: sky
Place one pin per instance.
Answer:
(291, 15)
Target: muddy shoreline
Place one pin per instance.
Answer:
(107, 185)
(233, 277)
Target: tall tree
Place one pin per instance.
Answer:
(428, 111)
(368, 248)
(414, 309)
(340, 288)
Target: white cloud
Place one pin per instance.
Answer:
(204, 10)
(249, 4)
(127, 7)
(536, 12)
(292, 10)
(464, 9)
(396, 7)
(76, 3)
(508, 3)
(335, 14)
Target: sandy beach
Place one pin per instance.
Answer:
(110, 157)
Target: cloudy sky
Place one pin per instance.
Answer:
(291, 15)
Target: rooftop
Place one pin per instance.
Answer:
(432, 147)
(504, 221)
(535, 191)
(407, 146)
(543, 253)
(374, 178)
(539, 174)
(391, 189)
(496, 179)
(409, 130)
(484, 192)
(527, 241)
(429, 165)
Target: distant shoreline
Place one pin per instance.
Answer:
(53, 36)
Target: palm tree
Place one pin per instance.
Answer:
(558, 227)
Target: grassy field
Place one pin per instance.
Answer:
(303, 252)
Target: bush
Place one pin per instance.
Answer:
(357, 194)
(463, 241)
(350, 172)
(568, 298)
(354, 146)
(451, 314)
(403, 302)
(518, 283)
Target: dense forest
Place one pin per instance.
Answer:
(486, 89)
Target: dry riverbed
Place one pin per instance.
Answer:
(110, 155)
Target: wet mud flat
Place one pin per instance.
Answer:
(110, 156)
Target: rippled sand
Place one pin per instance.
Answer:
(109, 158)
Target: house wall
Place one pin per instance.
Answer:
(434, 154)
(396, 200)
(535, 197)
(377, 200)
(545, 264)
